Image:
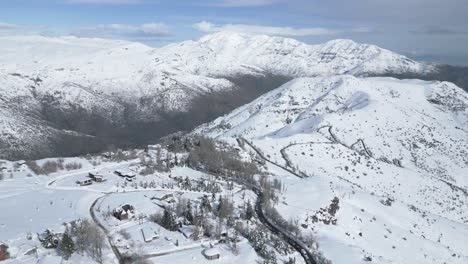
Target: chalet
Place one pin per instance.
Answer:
(84, 182)
(165, 199)
(211, 253)
(165, 196)
(124, 212)
(96, 177)
(125, 173)
(149, 234)
(187, 231)
(4, 254)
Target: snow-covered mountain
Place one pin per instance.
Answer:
(393, 151)
(81, 88)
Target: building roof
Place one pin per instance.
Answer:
(210, 252)
(149, 233)
(126, 172)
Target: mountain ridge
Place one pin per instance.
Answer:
(99, 87)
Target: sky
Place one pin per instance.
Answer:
(428, 30)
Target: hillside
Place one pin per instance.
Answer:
(108, 92)
(394, 153)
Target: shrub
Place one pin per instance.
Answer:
(73, 166)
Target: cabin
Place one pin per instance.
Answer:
(165, 196)
(96, 177)
(124, 212)
(4, 254)
(125, 173)
(187, 231)
(211, 253)
(149, 234)
(84, 182)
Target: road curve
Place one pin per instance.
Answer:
(245, 141)
(287, 237)
(116, 251)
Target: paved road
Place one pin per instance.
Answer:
(287, 237)
(116, 251)
(260, 153)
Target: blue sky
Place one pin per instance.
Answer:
(430, 30)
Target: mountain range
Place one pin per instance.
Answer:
(68, 95)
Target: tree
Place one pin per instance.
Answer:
(188, 215)
(249, 211)
(225, 207)
(89, 238)
(205, 204)
(67, 246)
(270, 258)
(196, 233)
(168, 220)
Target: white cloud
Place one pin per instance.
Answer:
(208, 27)
(104, 2)
(124, 31)
(7, 26)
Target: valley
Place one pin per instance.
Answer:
(233, 148)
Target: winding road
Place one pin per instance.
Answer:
(295, 243)
(287, 237)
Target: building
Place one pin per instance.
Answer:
(149, 234)
(188, 231)
(125, 173)
(165, 196)
(211, 253)
(84, 182)
(4, 252)
(96, 177)
(124, 212)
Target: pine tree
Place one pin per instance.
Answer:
(67, 246)
(205, 204)
(188, 213)
(249, 211)
(220, 204)
(168, 220)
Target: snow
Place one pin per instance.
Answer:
(97, 75)
(364, 141)
(246, 255)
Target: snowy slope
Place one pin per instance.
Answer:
(46, 79)
(227, 53)
(393, 151)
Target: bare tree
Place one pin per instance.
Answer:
(90, 239)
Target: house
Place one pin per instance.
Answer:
(4, 254)
(165, 199)
(125, 173)
(211, 253)
(149, 234)
(96, 177)
(124, 212)
(84, 182)
(187, 231)
(165, 196)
